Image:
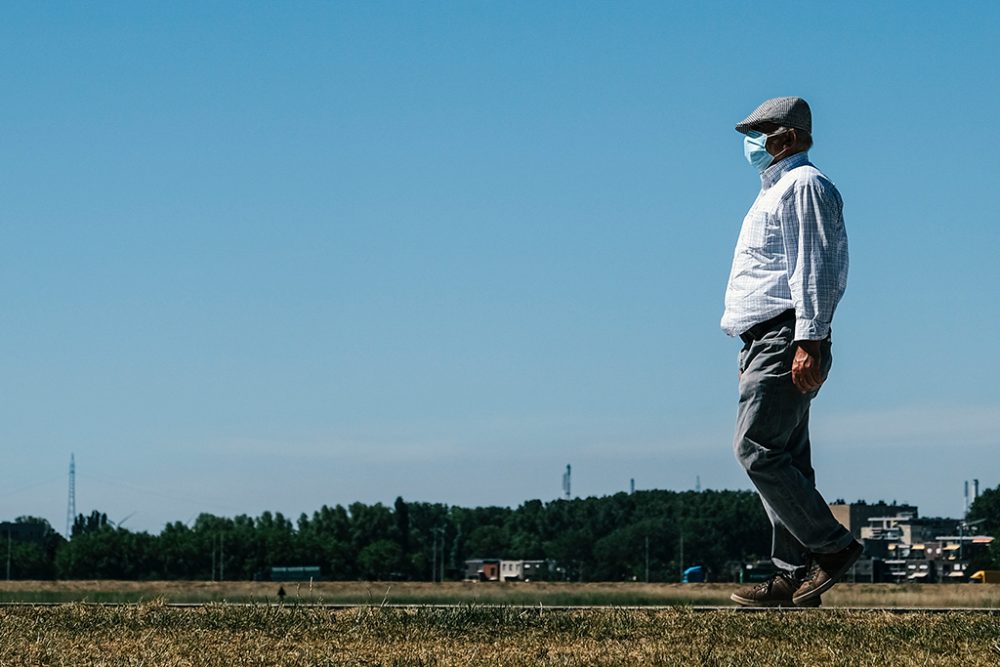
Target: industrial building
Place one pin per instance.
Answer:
(855, 516)
(902, 547)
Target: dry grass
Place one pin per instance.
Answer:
(217, 635)
(844, 595)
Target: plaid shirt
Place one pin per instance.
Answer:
(791, 254)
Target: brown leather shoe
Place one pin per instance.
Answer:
(775, 592)
(826, 569)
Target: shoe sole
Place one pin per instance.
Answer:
(804, 599)
(747, 602)
(811, 603)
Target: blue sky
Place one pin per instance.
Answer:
(270, 256)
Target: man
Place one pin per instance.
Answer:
(789, 272)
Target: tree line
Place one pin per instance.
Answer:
(650, 534)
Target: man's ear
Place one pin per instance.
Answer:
(793, 138)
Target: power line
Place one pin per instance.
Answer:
(160, 494)
(20, 489)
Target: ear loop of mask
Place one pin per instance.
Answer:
(786, 130)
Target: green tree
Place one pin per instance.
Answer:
(488, 542)
(92, 523)
(108, 554)
(425, 519)
(333, 534)
(987, 508)
(33, 544)
(621, 554)
(401, 513)
(378, 559)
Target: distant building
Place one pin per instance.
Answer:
(482, 569)
(902, 546)
(494, 569)
(904, 528)
(855, 516)
(523, 570)
(905, 548)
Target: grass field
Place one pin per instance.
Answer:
(621, 594)
(220, 635)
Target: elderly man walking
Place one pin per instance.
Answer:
(789, 272)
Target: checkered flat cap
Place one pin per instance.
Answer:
(783, 111)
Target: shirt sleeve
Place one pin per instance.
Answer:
(815, 243)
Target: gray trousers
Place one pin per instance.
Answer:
(772, 444)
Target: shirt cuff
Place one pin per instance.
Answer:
(811, 330)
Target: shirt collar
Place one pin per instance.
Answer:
(770, 176)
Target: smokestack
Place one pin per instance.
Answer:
(631, 485)
(975, 489)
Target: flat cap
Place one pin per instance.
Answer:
(783, 111)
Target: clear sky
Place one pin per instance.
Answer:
(274, 255)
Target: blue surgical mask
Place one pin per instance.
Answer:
(754, 150)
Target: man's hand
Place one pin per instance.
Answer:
(806, 372)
